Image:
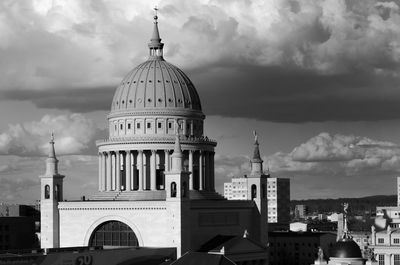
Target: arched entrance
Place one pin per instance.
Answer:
(113, 233)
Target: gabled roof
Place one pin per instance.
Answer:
(201, 258)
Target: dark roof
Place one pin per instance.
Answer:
(297, 234)
(232, 244)
(201, 258)
(345, 248)
(214, 242)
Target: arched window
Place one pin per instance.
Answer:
(113, 233)
(47, 192)
(253, 191)
(57, 192)
(184, 189)
(263, 193)
(173, 189)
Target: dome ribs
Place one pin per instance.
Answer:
(156, 84)
(178, 86)
(160, 89)
(171, 97)
(140, 87)
(127, 87)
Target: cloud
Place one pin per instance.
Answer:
(291, 61)
(74, 133)
(20, 182)
(328, 165)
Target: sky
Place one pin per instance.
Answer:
(317, 79)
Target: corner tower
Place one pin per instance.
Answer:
(257, 183)
(51, 185)
(178, 202)
(151, 103)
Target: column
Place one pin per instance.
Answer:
(153, 170)
(117, 171)
(109, 172)
(103, 171)
(140, 168)
(100, 169)
(201, 173)
(212, 172)
(167, 164)
(128, 166)
(184, 127)
(206, 171)
(191, 169)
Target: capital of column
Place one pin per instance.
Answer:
(153, 152)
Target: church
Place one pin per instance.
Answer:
(156, 173)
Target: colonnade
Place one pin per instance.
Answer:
(131, 170)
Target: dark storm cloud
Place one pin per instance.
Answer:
(284, 61)
(75, 100)
(284, 95)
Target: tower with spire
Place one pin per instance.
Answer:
(257, 189)
(51, 185)
(178, 201)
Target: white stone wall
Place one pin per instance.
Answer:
(147, 219)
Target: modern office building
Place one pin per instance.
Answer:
(278, 193)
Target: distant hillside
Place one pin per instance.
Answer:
(357, 205)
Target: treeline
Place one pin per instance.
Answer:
(358, 206)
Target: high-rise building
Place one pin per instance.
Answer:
(300, 211)
(278, 194)
(398, 191)
(146, 196)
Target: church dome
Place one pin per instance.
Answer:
(156, 84)
(345, 248)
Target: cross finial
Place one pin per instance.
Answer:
(52, 137)
(155, 11)
(255, 137)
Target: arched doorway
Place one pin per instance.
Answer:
(113, 233)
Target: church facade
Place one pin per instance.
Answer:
(156, 173)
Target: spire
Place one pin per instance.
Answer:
(155, 44)
(52, 152)
(256, 161)
(177, 156)
(346, 233)
(256, 153)
(51, 162)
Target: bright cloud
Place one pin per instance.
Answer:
(75, 134)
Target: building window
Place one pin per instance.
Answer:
(159, 126)
(396, 241)
(121, 127)
(381, 259)
(169, 125)
(57, 192)
(381, 240)
(148, 125)
(396, 258)
(129, 126)
(253, 191)
(47, 192)
(138, 125)
(113, 233)
(173, 189)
